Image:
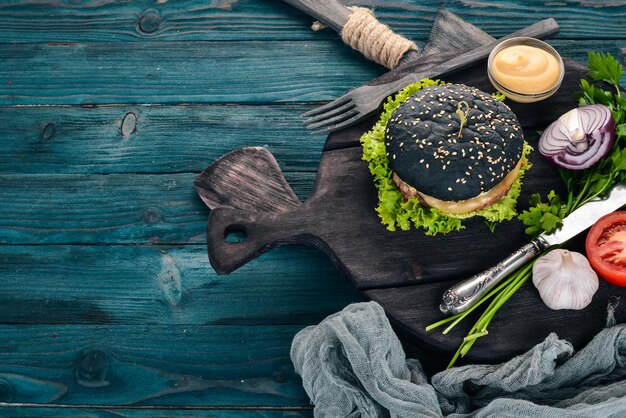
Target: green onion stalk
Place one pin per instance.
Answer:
(498, 296)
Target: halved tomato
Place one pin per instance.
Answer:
(606, 247)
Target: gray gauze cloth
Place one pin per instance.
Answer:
(352, 365)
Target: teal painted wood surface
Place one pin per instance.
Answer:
(150, 139)
(108, 110)
(242, 20)
(53, 209)
(149, 365)
(167, 72)
(132, 284)
(175, 72)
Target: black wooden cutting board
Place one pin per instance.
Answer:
(405, 271)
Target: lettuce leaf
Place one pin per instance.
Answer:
(396, 212)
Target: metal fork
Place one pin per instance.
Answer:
(363, 101)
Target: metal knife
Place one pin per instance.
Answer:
(464, 294)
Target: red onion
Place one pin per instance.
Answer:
(579, 138)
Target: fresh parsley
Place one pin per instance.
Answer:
(604, 68)
(544, 217)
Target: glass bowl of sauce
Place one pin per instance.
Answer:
(525, 70)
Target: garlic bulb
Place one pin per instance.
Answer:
(565, 279)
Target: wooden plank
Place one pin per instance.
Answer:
(107, 209)
(141, 20)
(166, 285)
(150, 139)
(207, 72)
(124, 208)
(242, 20)
(110, 412)
(177, 365)
(175, 72)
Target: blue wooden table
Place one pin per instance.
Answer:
(108, 111)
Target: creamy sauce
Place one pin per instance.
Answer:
(525, 69)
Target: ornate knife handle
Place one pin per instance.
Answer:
(464, 294)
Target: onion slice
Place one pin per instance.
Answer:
(580, 138)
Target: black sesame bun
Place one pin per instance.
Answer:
(455, 169)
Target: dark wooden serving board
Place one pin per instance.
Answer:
(405, 271)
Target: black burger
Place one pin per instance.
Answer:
(454, 147)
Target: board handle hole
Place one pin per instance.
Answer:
(235, 234)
